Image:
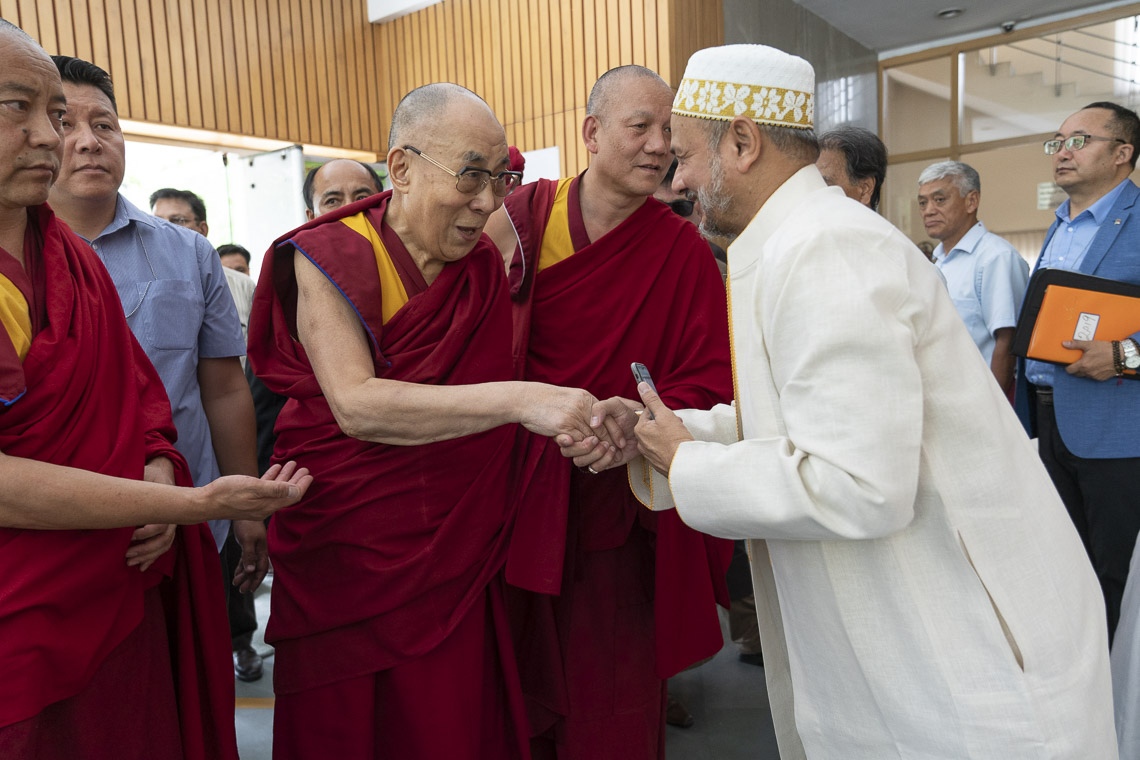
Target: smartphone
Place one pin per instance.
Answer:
(641, 375)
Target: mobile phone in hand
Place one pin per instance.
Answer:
(641, 375)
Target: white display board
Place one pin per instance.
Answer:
(265, 198)
(250, 200)
(542, 164)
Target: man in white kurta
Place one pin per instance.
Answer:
(920, 588)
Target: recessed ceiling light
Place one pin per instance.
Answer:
(949, 13)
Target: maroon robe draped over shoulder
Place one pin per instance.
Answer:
(648, 291)
(392, 544)
(67, 598)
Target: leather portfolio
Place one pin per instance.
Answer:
(1061, 305)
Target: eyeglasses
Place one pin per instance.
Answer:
(682, 207)
(1076, 142)
(182, 221)
(470, 180)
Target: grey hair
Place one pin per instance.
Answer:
(9, 27)
(863, 152)
(796, 143)
(964, 176)
(423, 103)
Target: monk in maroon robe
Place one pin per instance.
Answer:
(98, 659)
(605, 276)
(387, 325)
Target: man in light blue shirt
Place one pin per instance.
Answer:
(177, 304)
(985, 275)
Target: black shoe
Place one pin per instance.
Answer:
(247, 664)
(752, 658)
(676, 714)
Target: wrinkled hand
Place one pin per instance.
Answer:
(148, 543)
(617, 416)
(553, 411)
(1096, 362)
(240, 497)
(254, 564)
(660, 436)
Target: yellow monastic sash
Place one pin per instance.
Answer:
(556, 242)
(15, 316)
(392, 291)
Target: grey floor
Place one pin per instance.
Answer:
(726, 697)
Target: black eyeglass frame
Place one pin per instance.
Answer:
(1054, 146)
(498, 181)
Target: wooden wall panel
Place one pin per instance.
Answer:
(315, 71)
(536, 70)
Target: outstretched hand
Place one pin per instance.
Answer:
(240, 497)
(659, 436)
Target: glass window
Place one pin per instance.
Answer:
(1010, 181)
(900, 197)
(1029, 87)
(916, 104)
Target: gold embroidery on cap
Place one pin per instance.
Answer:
(709, 99)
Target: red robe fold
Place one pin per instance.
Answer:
(67, 598)
(648, 291)
(392, 544)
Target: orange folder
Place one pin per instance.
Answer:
(1062, 305)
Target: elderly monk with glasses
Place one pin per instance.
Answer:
(386, 324)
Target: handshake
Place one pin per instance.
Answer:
(599, 435)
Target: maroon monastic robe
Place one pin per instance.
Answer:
(392, 546)
(648, 291)
(91, 400)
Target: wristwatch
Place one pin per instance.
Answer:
(1131, 354)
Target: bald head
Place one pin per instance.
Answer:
(420, 111)
(7, 27)
(610, 83)
(338, 183)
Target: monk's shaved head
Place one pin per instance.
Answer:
(608, 84)
(421, 109)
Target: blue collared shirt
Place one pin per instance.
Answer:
(1066, 250)
(986, 279)
(178, 305)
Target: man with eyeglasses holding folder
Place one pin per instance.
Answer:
(387, 326)
(1084, 415)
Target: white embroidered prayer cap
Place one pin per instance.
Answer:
(759, 82)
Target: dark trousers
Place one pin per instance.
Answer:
(1101, 496)
(239, 606)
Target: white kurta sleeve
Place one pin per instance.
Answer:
(830, 393)
(651, 487)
